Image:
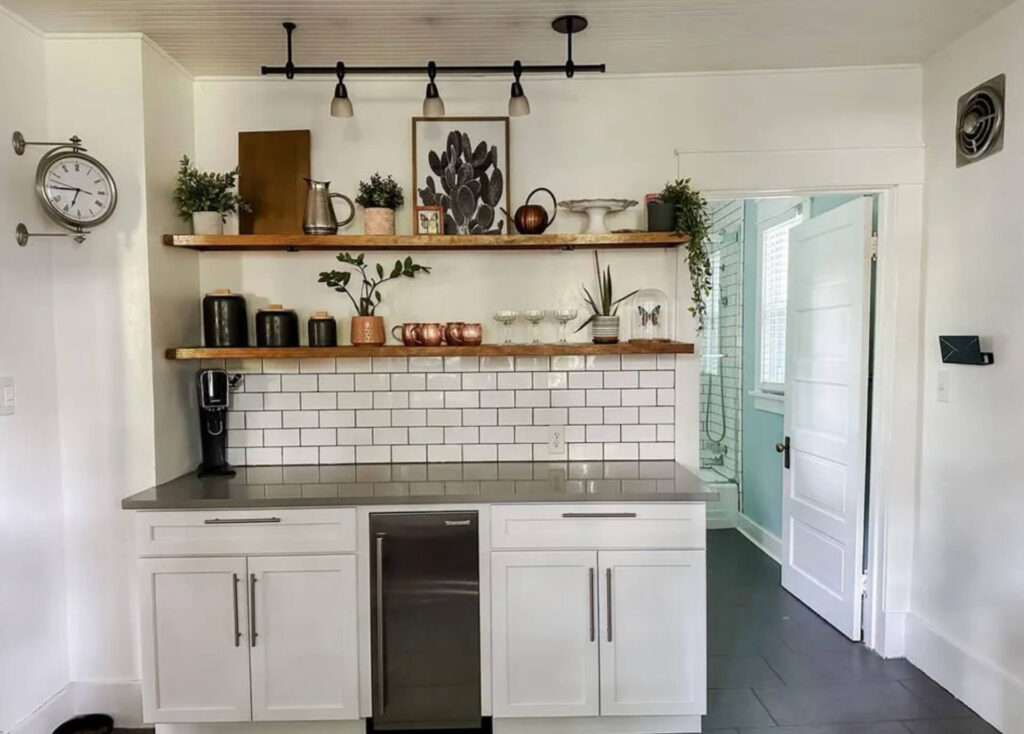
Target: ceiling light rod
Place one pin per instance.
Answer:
(566, 24)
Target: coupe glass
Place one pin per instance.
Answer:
(534, 317)
(563, 316)
(507, 318)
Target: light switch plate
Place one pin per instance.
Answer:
(6, 396)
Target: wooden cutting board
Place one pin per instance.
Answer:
(271, 166)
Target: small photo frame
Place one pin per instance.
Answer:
(429, 220)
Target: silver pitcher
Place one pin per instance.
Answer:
(320, 217)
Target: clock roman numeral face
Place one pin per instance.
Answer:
(78, 190)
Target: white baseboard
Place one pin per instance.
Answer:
(122, 700)
(993, 692)
(893, 642)
(770, 543)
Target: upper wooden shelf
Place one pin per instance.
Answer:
(296, 242)
(397, 350)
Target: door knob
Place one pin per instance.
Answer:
(783, 448)
(780, 447)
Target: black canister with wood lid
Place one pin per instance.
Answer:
(277, 326)
(225, 319)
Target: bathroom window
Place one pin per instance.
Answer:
(773, 271)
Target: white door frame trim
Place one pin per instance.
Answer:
(896, 405)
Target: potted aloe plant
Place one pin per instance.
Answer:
(380, 197)
(367, 326)
(206, 198)
(604, 321)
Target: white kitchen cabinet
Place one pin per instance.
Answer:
(304, 647)
(195, 650)
(544, 643)
(653, 643)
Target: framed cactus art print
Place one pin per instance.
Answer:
(461, 164)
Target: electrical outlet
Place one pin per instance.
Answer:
(556, 440)
(942, 391)
(6, 396)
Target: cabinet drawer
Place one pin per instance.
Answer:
(646, 525)
(192, 533)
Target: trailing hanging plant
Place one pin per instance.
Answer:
(198, 191)
(693, 219)
(380, 193)
(607, 305)
(369, 296)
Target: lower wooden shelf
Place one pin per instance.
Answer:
(397, 350)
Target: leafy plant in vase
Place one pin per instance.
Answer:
(206, 198)
(367, 327)
(693, 218)
(380, 197)
(604, 320)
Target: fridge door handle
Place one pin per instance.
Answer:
(252, 609)
(381, 683)
(234, 590)
(593, 623)
(608, 590)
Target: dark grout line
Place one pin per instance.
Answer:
(766, 709)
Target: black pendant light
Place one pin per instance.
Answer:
(433, 105)
(518, 104)
(341, 105)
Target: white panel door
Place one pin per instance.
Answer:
(827, 332)
(544, 633)
(195, 653)
(304, 641)
(653, 641)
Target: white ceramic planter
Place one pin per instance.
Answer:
(605, 330)
(378, 220)
(207, 223)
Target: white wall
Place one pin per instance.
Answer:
(33, 640)
(968, 589)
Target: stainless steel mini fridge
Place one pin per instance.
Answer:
(425, 620)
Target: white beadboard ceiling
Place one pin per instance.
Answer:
(234, 37)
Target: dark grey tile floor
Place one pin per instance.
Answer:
(774, 667)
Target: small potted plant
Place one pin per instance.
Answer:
(206, 197)
(380, 197)
(367, 327)
(604, 321)
(692, 218)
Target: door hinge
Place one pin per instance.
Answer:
(862, 584)
(874, 248)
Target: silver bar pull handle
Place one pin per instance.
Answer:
(252, 609)
(234, 590)
(608, 589)
(592, 622)
(381, 685)
(597, 514)
(241, 521)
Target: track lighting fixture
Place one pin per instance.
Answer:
(341, 105)
(433, 105)
(518, 104)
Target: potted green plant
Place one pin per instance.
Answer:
(205, 197)
(604, 319)
(693, 218)
(380, 197)
(367, 327)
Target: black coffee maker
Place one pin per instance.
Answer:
(214, 389)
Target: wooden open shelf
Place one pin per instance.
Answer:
(484, 350)
(296, 242)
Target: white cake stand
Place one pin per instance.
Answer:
(596, 210)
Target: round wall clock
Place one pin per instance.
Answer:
(76, 190)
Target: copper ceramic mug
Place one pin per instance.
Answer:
(410, 334)
(453, 333)
(431, 334)
(472, 334)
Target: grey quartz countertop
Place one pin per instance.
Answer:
(393, 484)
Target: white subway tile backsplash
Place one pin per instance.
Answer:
(457, 434)
(531, 434)
(319, 400)
(282, 437)
(586, 380)
(575, 434)
(426, 399)
(426, 435)
(281, 401)
(621, 415)
(236, 457)
(550, 381)
(532, 364)
(639, 397)
(658, 415)
(586, 416)
(603, 397)
(480, 452)
(263, 419)
(317, 365)
(263, 457)
(515, 452)
(409, 454)
(426, 364)
(236, 421)
(334, 419)
(637, 433)
(337, 455)
(515, 416)
(603, 434)
(374, 382)
(550, 416)
(667, 397)
(462, 399)
(354, 436)
(300, 383)
(666, 361)
(603, 362)
(497, 434)
(667, 432)
(568, 398)
(318, 436)
(246, 401)
(444, 381)
(639, 362)
(628, 379)
(444, 454)
(480, 417)
(661, 378)
(568, 362)
(352, 364)
(389, 400)
(373, 418)
(336, 383)
(262, 383)
(390, 364)
(586, 452)
(621, 452)
(373, 454)
(497, 364)
(280, 366)
(533, 399)
(355, 400)
(657, 451)
(245, 438)
(414, 417)
(480, 381)
(390, 436)
(444, 417)
(515, 381)
(301, 455)
(461, 364)
(416, 381)
(498, 399)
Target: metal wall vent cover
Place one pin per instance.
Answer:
(980, 122)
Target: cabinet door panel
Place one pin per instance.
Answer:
(653, 643)
(195, 667)
(543, 608)
(304, 653)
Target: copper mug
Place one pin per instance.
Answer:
(472, 335)
(431, 335)
(453, 333)
(411, 334)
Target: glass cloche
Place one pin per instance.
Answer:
(650, 316)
